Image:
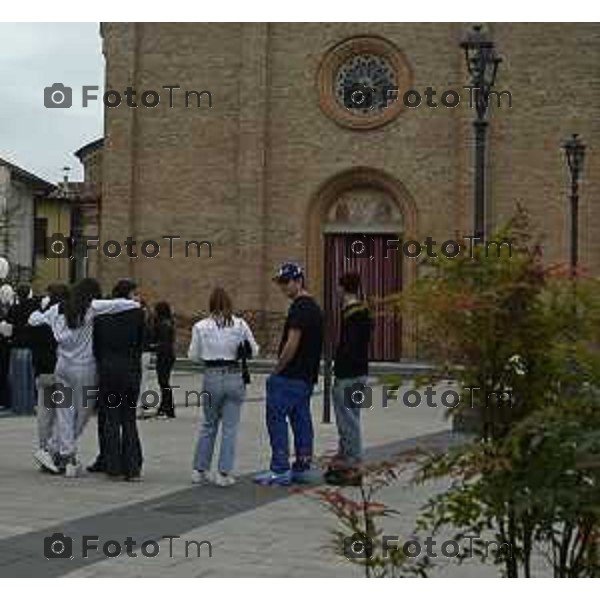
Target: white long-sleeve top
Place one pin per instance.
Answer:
(211, 342)
(75, 345)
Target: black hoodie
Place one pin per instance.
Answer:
(352, 354)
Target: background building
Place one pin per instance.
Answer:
(272, 167)
(21, 196)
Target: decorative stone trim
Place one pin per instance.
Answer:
(321, 206)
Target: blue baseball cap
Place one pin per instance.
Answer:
(288, 272)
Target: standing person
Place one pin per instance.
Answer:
(148, 381)
(75, 372)
(351, 371)
(290, 387)
(7, 297)
(20, 370)
(118, 347)
(164, 338)
(43, 346)
(216, 341)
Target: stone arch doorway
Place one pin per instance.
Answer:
(363, 206)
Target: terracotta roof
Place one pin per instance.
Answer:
(91, 147)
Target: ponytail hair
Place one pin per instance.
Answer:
(78, 301)
(220, 307)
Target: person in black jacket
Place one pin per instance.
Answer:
(164, 340)
(118, 344)
(6, 300)
(43, 346)
(20, 370)
(351, 370)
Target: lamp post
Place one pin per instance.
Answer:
(482, 65)
(575, 153)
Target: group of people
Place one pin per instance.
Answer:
(86, 353)
(217, 342)
(82, 353)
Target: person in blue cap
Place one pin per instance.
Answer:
(290, 387)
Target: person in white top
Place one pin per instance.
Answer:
(216, 341)
(75, 392)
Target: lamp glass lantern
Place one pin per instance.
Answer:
(575, 151)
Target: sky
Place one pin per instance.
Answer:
(34, 56)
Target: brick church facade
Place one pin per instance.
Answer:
(272, 167)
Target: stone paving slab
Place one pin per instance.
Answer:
(253, 531)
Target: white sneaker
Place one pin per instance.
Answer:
(73, 469)
(224, 480)
(200, 477)
(44, 459)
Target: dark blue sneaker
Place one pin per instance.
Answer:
(272, 478)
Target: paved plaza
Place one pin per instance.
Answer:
(252, 531)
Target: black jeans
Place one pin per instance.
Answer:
(120, 446)
(164, 366)
(4, 362)
(100, 461)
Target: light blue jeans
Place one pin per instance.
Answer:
(347, 420)
(223, 394)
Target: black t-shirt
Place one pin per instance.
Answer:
(304, 314)
(352, 354)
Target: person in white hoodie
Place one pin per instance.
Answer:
(216, 341)
(75, 392)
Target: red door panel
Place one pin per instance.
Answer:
(380, 276)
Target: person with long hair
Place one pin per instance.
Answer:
(164, 340)
(43, 347)
(73, 397)
(216, 341)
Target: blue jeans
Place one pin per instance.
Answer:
(289, 399)
(222, 404)
(21, 381)
(347, 420)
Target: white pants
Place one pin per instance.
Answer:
(46, 416)
(149, 389)
(79, 384)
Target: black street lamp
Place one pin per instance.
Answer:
(482, 64)
(575, 152)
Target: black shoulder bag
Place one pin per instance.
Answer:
(243, 354)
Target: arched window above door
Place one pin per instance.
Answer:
(364, 209)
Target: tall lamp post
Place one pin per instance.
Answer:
(575, 153)
(482, 65)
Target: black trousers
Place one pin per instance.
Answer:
(164, 366)
(4, 362)
(100, 461)
(120, 446)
